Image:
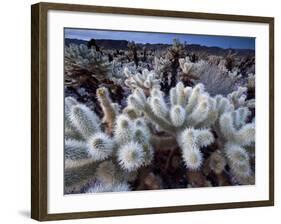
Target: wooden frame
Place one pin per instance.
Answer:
(39, 110)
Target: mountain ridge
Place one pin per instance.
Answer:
(122, 45)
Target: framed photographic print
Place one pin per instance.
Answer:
(139, 111)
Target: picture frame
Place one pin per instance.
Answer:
(41, 68)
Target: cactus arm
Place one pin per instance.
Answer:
(107, 107)
(159, 121)
(76, 178)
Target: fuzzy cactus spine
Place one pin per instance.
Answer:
(131, 156)
(84, 120)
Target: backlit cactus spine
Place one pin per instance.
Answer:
(191, 114)
(128, 147)
(185, 117)
(238, 134)
(145, 80)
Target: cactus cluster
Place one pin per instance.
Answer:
(194, 113)
(215, 77)
(145, 80)
(81, 61)
(190, 114)
(109, 159)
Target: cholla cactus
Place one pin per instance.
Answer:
(217, 162)
(82, 63)
(188, 117)
(239, 98)
(191, 106)
(188, 108)
(98, 188)
(215, 79)
(133, 52)
(185, 65)
(162, 66)
(109, 108)
(191, 140)
(84, 120)
(176, 51)
(234, 75)
(117, 71)
(145, 80)
(234, 134)
(131, 156)
(133, 138)
(251, 81)
(100, 146)
(88, 157)
(237, 134)
(190, 114)
(190, 69)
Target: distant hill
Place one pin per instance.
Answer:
(122, 45)
(218, 50)
(105, 44)
(68, 41)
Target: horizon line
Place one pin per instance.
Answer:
(164, 43)
(224, 42)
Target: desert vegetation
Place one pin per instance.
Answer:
(147, 117)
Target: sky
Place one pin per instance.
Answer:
(165, 38)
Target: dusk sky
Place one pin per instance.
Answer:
(166, 38)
